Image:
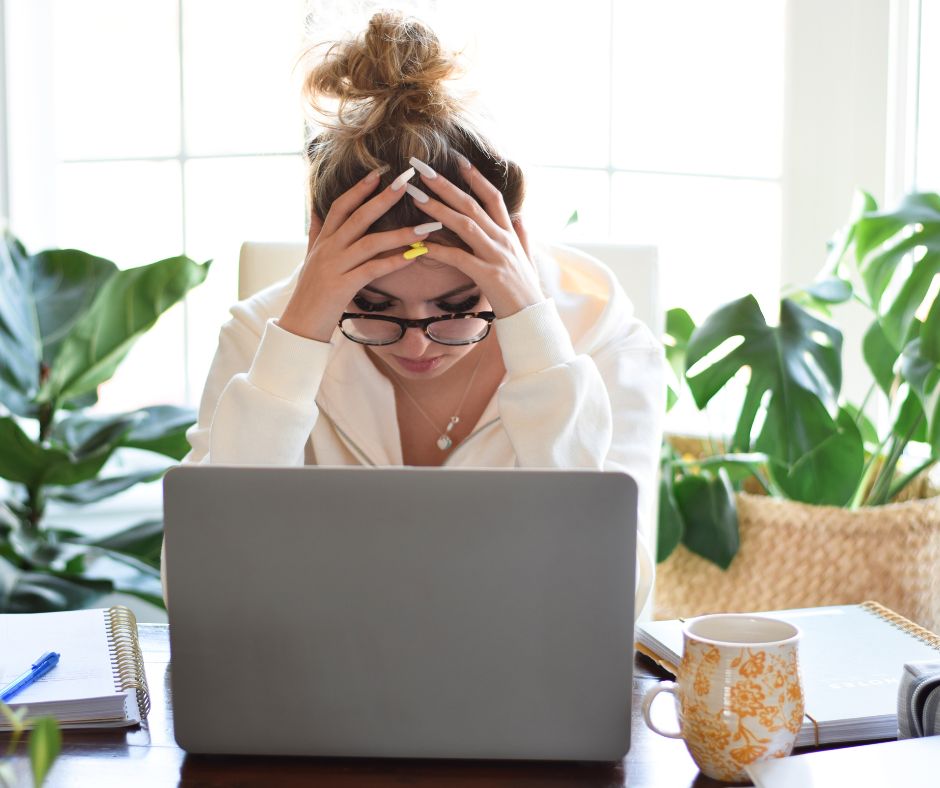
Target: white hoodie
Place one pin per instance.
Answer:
(584, 388)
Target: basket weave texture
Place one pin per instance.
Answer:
(799, 555)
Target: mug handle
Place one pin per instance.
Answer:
(663, 686)
(646, 573)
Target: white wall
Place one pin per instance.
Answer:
(835, 137)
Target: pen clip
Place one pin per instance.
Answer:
(49, 656)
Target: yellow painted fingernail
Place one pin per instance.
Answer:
(417, 250)
(416, 244)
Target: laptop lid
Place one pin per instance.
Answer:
(401, 612)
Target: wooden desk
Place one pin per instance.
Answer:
(149, 756)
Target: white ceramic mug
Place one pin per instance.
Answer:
(739, 693)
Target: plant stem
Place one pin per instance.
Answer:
(909, 477)
(860, 492)
(861, 408)
(35, 508)
(46, 418)
(886, 474)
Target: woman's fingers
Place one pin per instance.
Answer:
(462, 202)
(373, 244)
(490, 196)
(316, 226)
(348, 201)
(456, 257)
(375, 269)
(522, 234)
(466, 228)
(362, 217)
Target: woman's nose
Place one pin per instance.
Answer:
(414, 343)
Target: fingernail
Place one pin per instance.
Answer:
(402, 179)
(430, 227)
(378, 172)
(421, 167)
(415, 251)
(415, 192)
(464, 161)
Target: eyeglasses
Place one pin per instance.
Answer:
(464, 328)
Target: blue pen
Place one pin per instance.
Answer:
(39, 669)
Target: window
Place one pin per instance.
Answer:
(926, 151)
(141, 130)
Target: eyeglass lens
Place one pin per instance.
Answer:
(445, 331)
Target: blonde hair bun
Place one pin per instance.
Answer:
(386, 95)
(395, 70)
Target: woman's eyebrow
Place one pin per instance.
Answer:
(448, 294)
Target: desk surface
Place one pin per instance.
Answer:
(149, 756)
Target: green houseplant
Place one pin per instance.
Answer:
(67, 320)
(796, 437)
(44, 743)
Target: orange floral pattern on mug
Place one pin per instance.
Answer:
(738, 704)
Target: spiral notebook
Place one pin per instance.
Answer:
(851, 660)
(100, 680)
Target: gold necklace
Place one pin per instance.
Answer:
(444, 441)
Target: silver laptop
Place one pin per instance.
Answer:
(401, 612)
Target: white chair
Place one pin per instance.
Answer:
(262, 263)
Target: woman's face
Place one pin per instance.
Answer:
(425, 288)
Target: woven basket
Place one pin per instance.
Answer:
(799, 555)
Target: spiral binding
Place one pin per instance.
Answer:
(127, 662)
(905, 624)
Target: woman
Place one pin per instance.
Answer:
(422, 328)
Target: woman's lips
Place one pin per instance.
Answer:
(418, 364)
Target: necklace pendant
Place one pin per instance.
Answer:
(444, 442)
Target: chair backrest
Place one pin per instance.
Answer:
(263, 263)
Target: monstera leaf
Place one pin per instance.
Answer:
(679, 328)
(795, 375)
(802, 353)
(897, 255)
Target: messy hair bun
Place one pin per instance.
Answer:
(381, 98)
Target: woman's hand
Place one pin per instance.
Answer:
(499, 261)
(342, 258)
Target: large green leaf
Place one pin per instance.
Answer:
(831, 290)
(65, 284)
(827, 474)
(20, 346)
(679, 328)
(84, 433)
(930, 333)
(41, 299)
(710, 516)
(923, 375)
(41, 592)
(669, 532)
(45, 743)
(802, 355)
(24, 461)
(159, 428)
(125, 308)
(143, 541)
(898, 256)
(880, 355)
(98, 489)
(162, 429)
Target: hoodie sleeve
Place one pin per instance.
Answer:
(259, 403)
(258, 406)
(602, 410)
